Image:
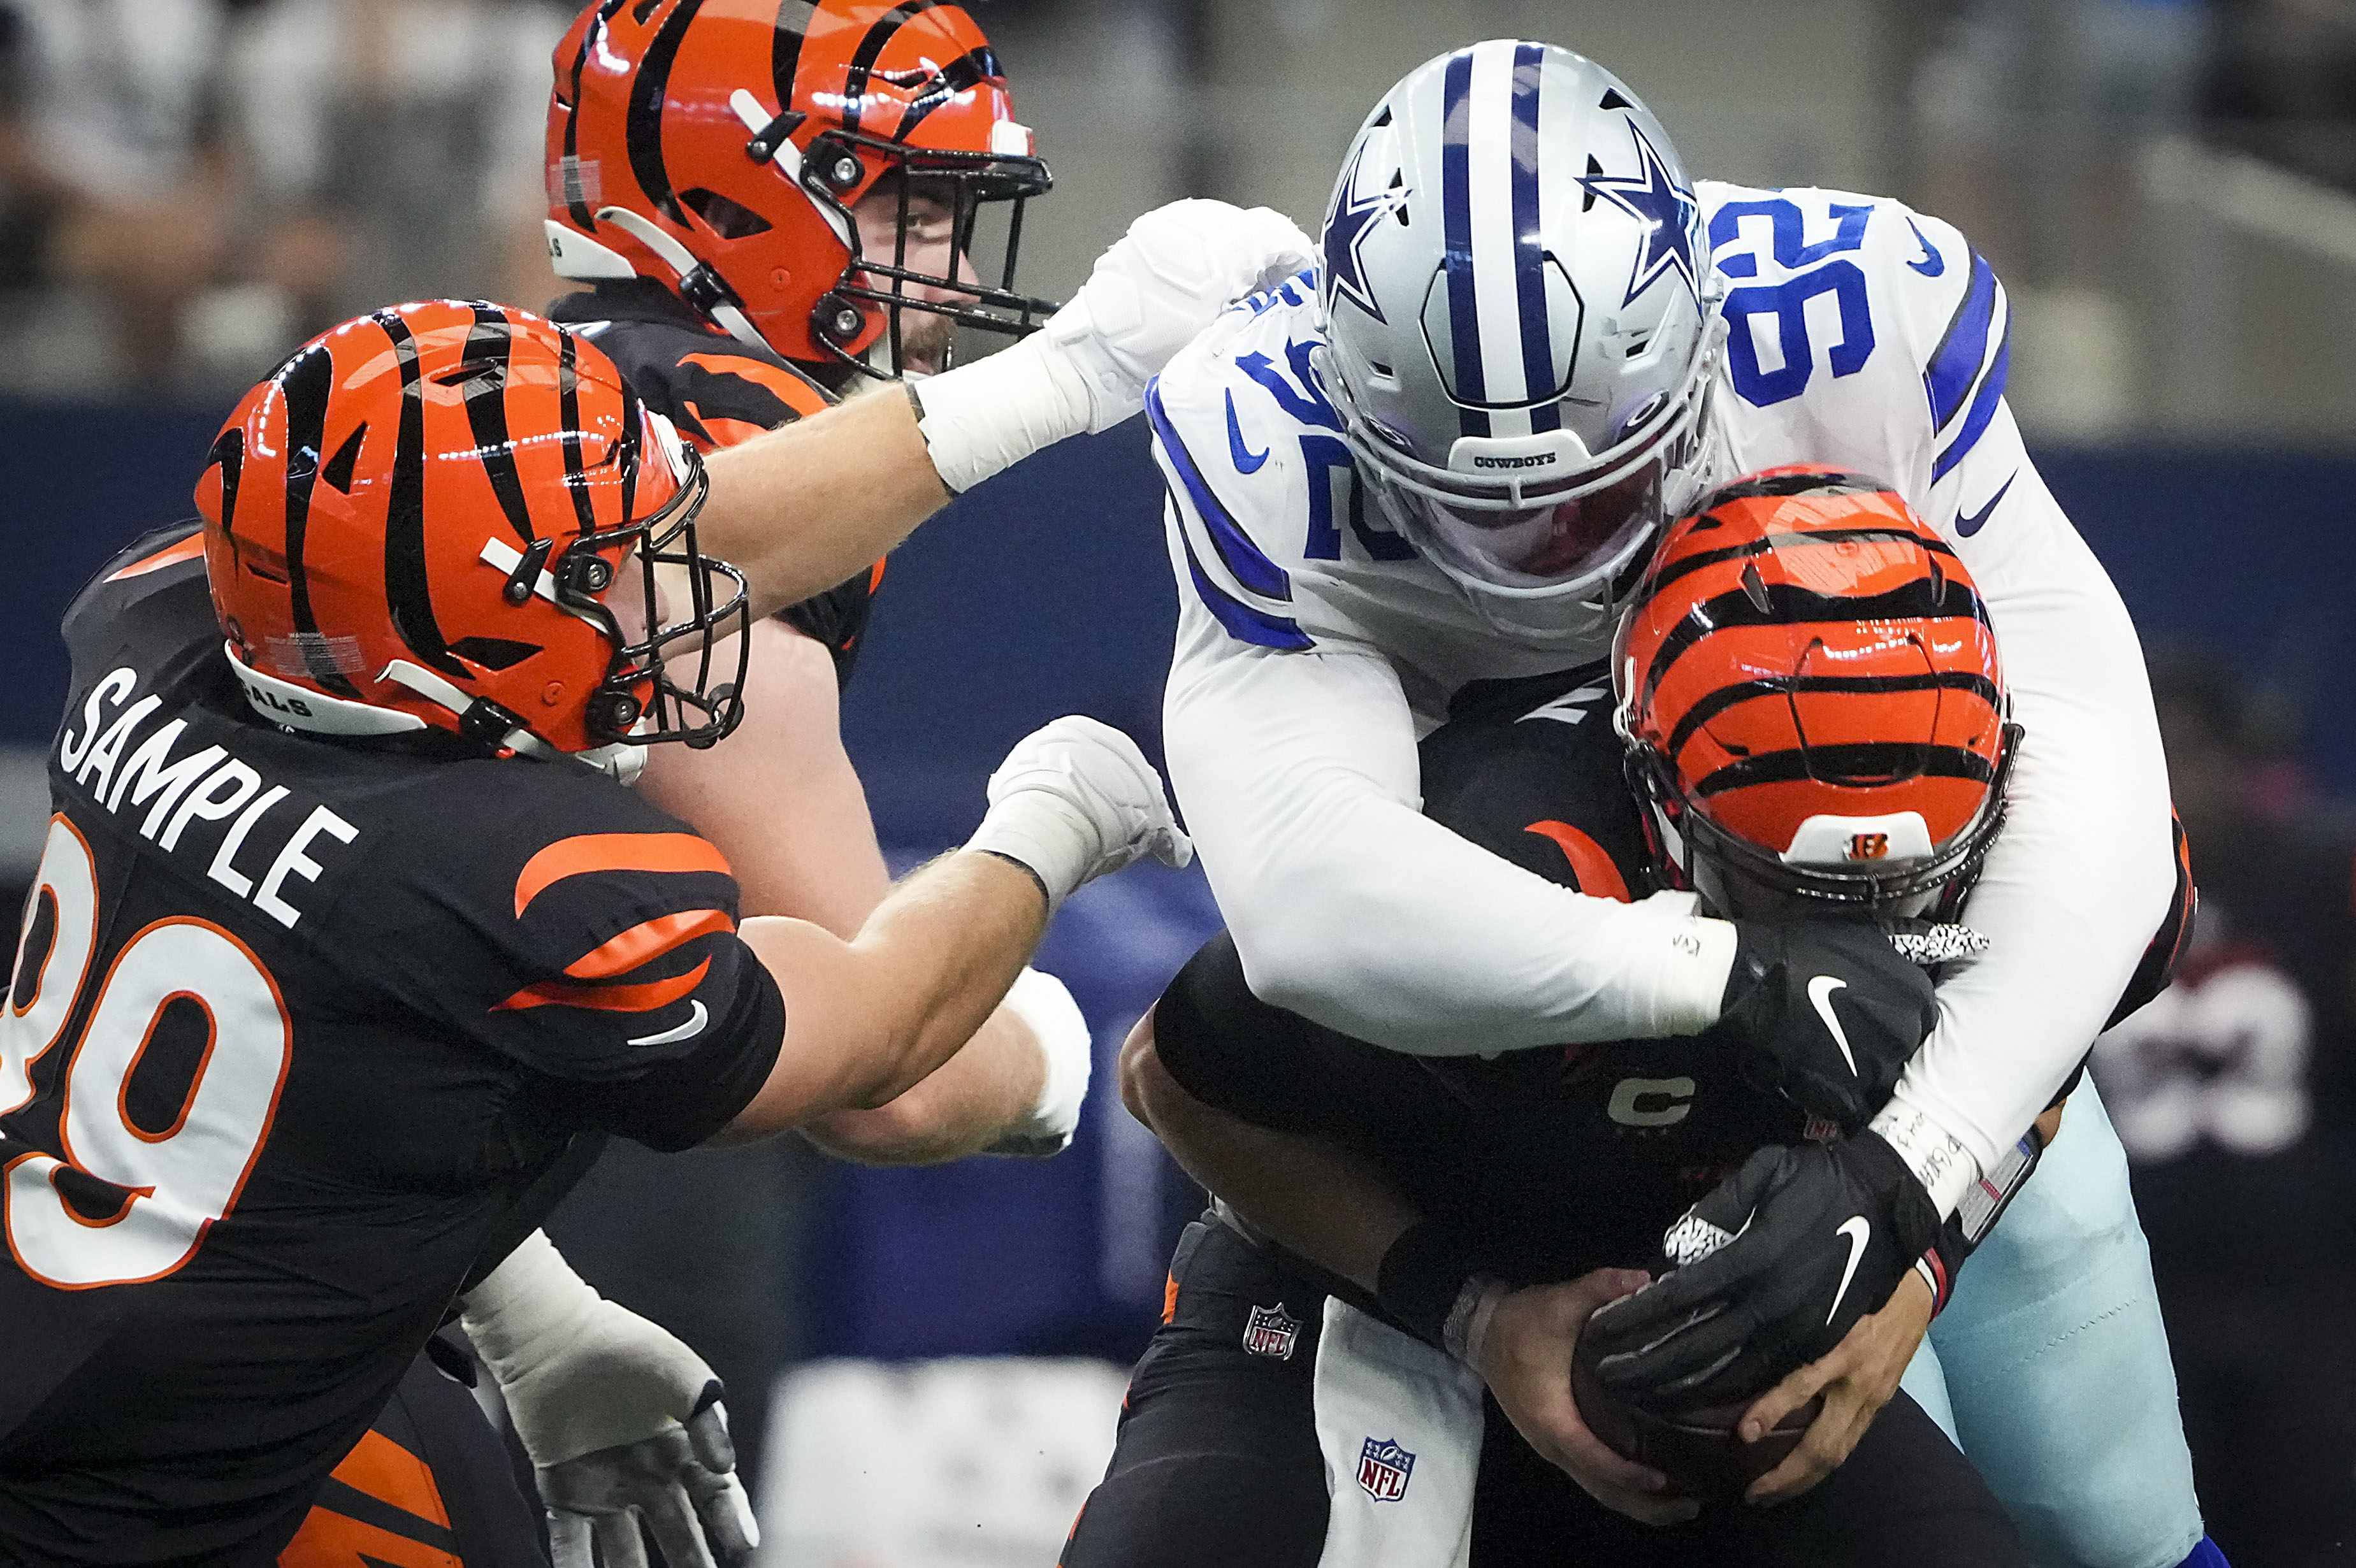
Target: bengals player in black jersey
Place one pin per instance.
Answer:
(1489, 1204)
(346, 935)
(773, 207)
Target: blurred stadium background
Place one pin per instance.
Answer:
(189, 188)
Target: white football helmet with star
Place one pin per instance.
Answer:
(1522, 326)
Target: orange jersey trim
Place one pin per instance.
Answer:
(804, 398)
(1588, 862)
(189, 548)
(379, 1468)
(643, 998)
(723, 431)
(595, 852)
(642, 944)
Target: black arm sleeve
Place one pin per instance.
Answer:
(1237, 1054)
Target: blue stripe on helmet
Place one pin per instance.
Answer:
(1529, 247)
(1962, 347)
(1975, 424)
(1456, 210)
(1251, 566)
(1243, 622)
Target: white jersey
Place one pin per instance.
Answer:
(1314, 647)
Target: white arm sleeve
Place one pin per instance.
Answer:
(1299, 778)
(2082, 874)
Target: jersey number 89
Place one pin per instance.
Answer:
(180, 1177)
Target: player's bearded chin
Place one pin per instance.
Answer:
(925, 339)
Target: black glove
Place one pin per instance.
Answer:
(1777, 1263)
(1826, 1012)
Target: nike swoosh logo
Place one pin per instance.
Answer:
(1820, 997)
(1857, 1231)
(1247, 461)
(687, 1030)
(1970, 522)
(1932, 263)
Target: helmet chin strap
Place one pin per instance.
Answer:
(677, 257)
(315, 712)
(623, 764)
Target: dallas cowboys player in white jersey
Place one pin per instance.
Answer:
(1441, 454)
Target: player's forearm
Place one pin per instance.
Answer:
(1312, 1197)
(868, 1019)
(1299, 780)
(2083, 869)
(778, 797)
(807, 506)
(990, 1085)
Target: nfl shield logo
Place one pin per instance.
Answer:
(1270, 1332)
(1383, 1470)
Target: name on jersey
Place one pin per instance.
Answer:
(126, 760)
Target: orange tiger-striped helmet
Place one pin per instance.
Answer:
(1810, 692)
(422, 518)
(717, 146)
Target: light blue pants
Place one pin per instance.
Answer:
(2050, 1367)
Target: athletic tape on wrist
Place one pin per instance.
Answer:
(1066, 1047)
(527, 1309)
(1468, 1321)
(1936, 1156)
(981, 419)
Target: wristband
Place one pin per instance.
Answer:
(1421, 1278)
(983, 418)
(1468, 1321)
(1937, 1266)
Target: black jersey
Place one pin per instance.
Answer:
(718, 391)
(302, 1034)
(1555, 1161)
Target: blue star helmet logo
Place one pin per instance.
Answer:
(1651, 197)
(1346, 228)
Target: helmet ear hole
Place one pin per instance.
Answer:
(729, 220)
(494, 652)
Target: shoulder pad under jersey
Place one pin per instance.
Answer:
(1270, 531)
(1860, 333)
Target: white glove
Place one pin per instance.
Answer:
(622, 1421)
(1041, 1001)
(1074, 800)
(1162, 284)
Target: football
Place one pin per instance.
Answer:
(1696, 1449)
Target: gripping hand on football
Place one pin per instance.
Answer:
(1826, 1012)
(1774, 1267)
(1525, 1357)
(1074, 800)
(623, 1423)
